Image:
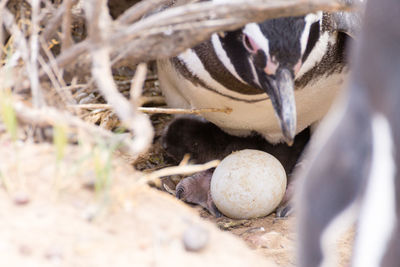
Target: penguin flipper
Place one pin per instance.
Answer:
(333, 178)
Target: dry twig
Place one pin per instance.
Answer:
(2, 5)
(55, 75)
(46, 116)
(140, 9)
(139, 124)
(157, 110)
(55, 21)
(181, 169)
(66, 40)
(137, 84)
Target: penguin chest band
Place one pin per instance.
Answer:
(250, 113)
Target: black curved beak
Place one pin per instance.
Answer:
(280, 89)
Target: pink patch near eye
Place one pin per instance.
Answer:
(250, 45)
(271, 68)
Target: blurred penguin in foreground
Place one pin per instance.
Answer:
(351, 173)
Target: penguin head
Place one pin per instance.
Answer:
(268, 56)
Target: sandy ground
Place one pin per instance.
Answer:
(50, 215)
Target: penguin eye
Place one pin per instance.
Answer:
(249, 44)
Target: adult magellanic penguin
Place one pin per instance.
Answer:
(278, 77)
(288, 67)
(353, 164)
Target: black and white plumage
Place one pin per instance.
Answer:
(285, 68)
(353, 170)
(278, 77)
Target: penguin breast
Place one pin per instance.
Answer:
(250, 113)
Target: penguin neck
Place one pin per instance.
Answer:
(326, 58)
(316, 54)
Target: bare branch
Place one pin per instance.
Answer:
(49, 116)
(2, 5)
(171, 31)
(55, 21)
(97, 16)
(32, 66)
(55, 75)
(66, 40)
(70, 55)
(137, 83)
(137, 11)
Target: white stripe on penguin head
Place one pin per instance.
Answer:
(309, 20)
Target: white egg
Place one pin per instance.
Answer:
(248, 184)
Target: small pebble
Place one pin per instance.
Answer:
(227, 223)
(54, 254)
(21, 198)
(253, 230)
(90, 213)
(89, 185)
(270, 240)
(195, 238)
(25, 250)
